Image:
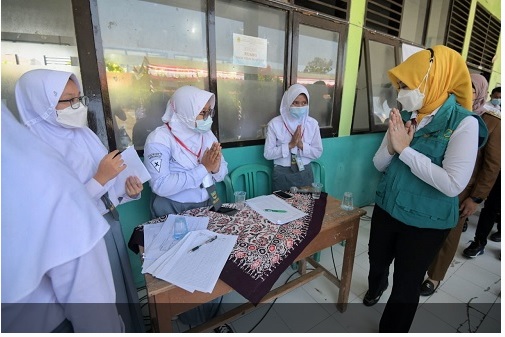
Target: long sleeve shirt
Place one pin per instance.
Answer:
(278, 138)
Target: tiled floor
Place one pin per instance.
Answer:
(468, 300)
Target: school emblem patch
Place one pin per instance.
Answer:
(156, 163)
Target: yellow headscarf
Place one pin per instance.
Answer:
(448, 75)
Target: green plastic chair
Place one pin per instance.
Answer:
(319, 176)
(254, 179)
(319, 173)
(224, 190)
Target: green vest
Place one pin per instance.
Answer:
(409, 199)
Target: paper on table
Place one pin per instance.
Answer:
(134, 167)
(259, 204)
(195, 270)
(164, 239)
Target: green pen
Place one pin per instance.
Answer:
(275, 210)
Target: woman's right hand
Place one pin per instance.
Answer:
(110, 166)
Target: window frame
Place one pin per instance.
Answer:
(330, 25)
(370, 35)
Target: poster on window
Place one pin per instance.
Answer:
(249, 51)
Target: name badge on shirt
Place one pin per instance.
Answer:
(296, 163)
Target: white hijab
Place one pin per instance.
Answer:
(182, 109)
(37, 94)
(48, 218)
(287, 99)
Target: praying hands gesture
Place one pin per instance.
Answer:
(211, 158)
(296, 140)
(399, 135)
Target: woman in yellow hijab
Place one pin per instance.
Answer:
(427, 157)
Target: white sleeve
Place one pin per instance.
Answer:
(314, 148)
(164, 181)
(85, 289)
(382, 158)
(272, 150)
(457, 165)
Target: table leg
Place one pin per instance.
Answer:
(347, 267)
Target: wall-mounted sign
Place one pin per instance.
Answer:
(249, 51)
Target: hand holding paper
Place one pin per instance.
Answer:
(134, 168)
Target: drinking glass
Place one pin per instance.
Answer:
(316, 190)
(180, 227)
(239, 200)
(347, 203)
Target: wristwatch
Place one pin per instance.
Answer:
(477, 200)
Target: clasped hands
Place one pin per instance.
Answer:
(110, 166)
(296, 140)
(399, 135)
(211, 158)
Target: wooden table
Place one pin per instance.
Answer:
(167, 300)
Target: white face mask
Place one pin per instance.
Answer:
(299, 112)
(412, 100)
(203, 126)
(73, 118)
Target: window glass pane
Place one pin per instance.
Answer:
(361, 111)
(29, 42)
(250, 52)
(384, 94)
(439, 12)
(147, 61)
(413, 18)
(317, 66)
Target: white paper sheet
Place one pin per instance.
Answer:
(134, 167)
(194, 270)
(287, 212)
(156, 244)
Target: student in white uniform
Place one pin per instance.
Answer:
(56, 276)
(183, 156)
(293, 141)
(51, 104)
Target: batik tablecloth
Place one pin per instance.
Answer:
(263, 250)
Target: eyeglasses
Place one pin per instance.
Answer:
(208, 113)
(74, 102)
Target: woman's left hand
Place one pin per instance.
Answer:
(133, 187)
(400, 135)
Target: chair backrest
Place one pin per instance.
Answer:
(319, 173)
(225, 190)
(254, 179)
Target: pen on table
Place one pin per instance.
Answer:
(208, 241)
(275, 210)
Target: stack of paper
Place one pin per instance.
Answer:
(179, 261)
(275, 209)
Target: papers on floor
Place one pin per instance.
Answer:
(275, 209)
(177, 262)
(134, 167)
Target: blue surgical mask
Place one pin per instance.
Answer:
(496, 101)
(299, 112)
(203, 126)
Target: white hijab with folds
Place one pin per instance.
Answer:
(287, 99)
(48, 218)
(182, 109)
(37, 94)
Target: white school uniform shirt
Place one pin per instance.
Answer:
(458, 163)
(281, 128)
(53, 250)
(176, 172)
(491, 107)
(37, 94)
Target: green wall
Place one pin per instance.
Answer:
(348, 165)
